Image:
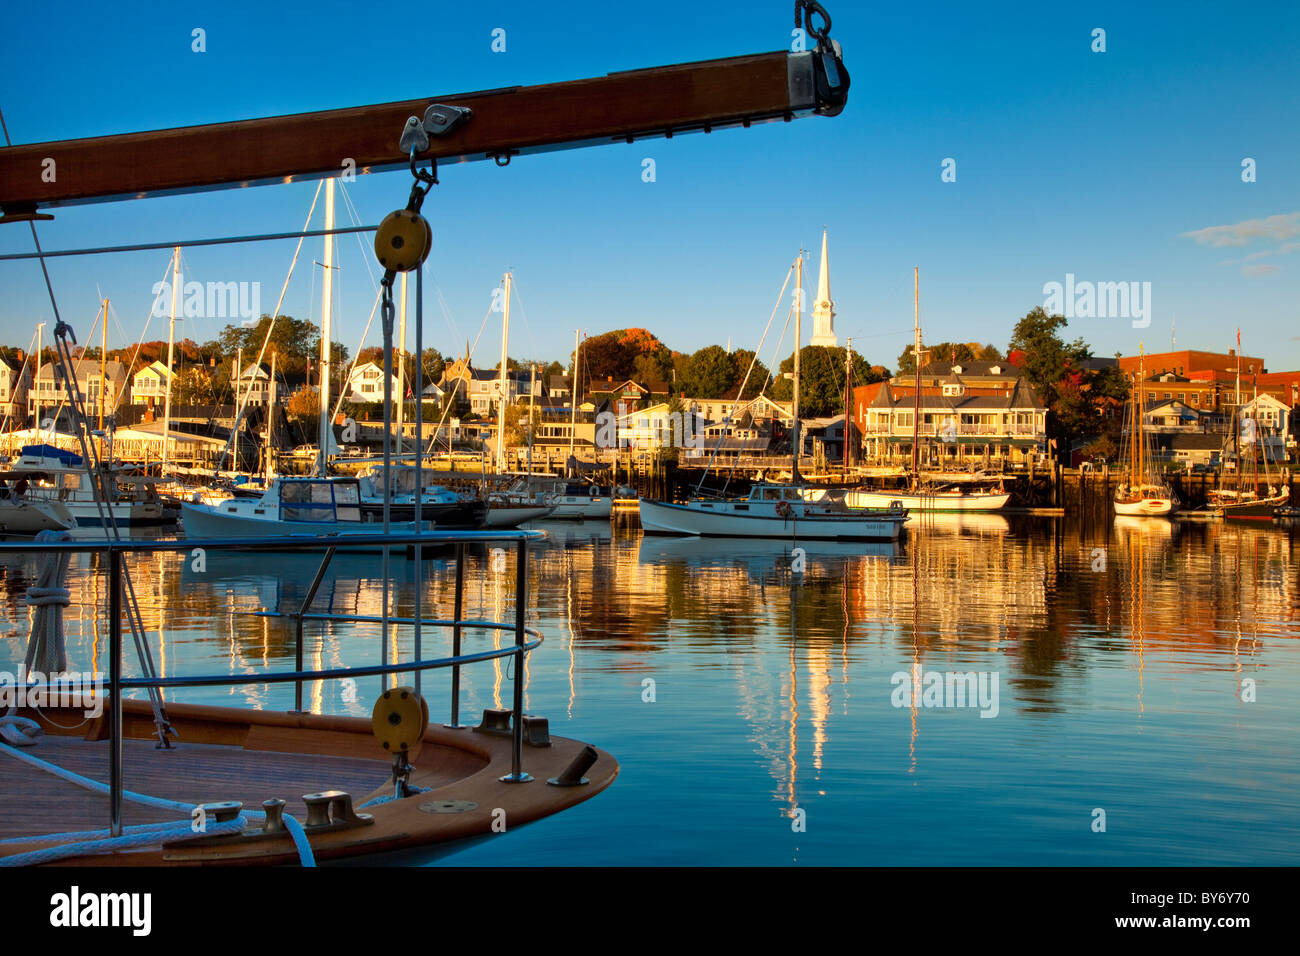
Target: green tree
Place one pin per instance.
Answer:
(1083, 403)
(757, 377)
(821, 386)
(710, 373)
(948, 352)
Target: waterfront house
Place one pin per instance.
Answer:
(15, 380)
(971, 413)
(366, 384)
(149, 385)
(101, 391)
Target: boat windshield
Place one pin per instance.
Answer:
(320, 501)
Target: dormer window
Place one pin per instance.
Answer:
(952, 389)
(956, 369)
(995, 370)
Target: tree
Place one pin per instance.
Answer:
(948, 352)
(1083, 403)
(757, 378)
(710, 373)
(304, 408)
(519, 424)
(821, 388)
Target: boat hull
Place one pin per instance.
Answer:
(512, 516)
(464, 515)
(658, 517)
(1149, 507)
(580, 508)
(33, 517)
(940, 501)
(204, 521)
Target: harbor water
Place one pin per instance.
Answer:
(988, 691)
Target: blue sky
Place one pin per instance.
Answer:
(1114, 166)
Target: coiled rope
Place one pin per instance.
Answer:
(46, 648)
(137, 835)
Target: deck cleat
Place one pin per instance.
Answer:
(495, 722)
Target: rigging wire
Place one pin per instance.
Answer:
(275, 314)
(723, 431)
(219, 241)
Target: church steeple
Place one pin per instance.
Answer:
(824, 309)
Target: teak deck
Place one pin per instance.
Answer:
(251, 756)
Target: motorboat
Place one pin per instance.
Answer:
(775, 511)
(290, 506)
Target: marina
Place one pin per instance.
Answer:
(708, 440)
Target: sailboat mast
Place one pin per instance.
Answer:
(501, 404)
(573, 394)
(532, 386)
(401, 372)
(1140, 411)
(848, 402)
(171, 341)
(326, 306)
(1236, 414)
(103, 358)
(270, 423)
(796, 444)
(916, 360)
(36, 382)
(239, 375)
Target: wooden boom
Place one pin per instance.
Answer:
(661, 101)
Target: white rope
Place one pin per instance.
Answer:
(47, 648)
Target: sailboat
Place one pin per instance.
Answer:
(778, 510)
(1142, 491)
(946, 496)
(1260, 499)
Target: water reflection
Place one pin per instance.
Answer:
(776, 664)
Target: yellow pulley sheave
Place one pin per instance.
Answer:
(399, 720)
(403, 241)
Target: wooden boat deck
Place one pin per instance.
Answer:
(248, 755)
(35, 801)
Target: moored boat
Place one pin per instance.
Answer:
(291, 506)
(774, 511)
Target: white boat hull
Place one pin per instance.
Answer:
(582, 507)
(126, 514)
(33, 517)
(1150, 507)
(206, 521)
(940, 501)
(721, 519)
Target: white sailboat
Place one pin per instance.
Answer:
(1142, 492)
(950, 496)
(777, 510)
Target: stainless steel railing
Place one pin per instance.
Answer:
(418, 542)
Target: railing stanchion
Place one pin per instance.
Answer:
(455, 637)
(517, 774)
(115, 687)
(306, 603)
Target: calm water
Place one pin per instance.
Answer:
(1120, 652)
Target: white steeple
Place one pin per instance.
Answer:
(824, 309)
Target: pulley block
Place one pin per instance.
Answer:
(399, 720)
(403, 241)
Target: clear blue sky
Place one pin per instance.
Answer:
(1068, 161)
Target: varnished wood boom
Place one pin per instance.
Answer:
(620, 107)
